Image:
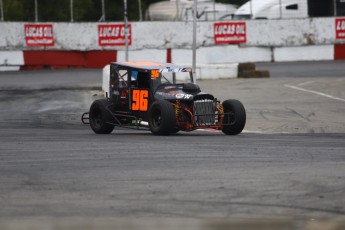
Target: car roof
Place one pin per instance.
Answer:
(149, 65)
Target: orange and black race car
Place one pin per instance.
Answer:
(163, 98)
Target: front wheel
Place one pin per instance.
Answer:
(162, 120)
(99, 117)
(234, 117)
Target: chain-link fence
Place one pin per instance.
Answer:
(69, 10)
(254, 9)
(173, 10)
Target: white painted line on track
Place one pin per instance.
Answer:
(315, 92)
(306, 83)
(219, 131)
(251, 131)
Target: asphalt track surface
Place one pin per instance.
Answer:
(289, 161)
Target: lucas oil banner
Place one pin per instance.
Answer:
(39, 34)
(340, 28)
(113, 35)
(230, 32)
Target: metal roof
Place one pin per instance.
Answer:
(149, 65)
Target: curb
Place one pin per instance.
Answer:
(336, 224)
(54, 59)
(145, 224)
(166, 224)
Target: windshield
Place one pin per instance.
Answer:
(178, 77)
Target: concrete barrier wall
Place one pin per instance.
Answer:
(266, 40)
(162, 35)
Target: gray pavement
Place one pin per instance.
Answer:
(289, 162)
(51, 79)
(305, 69)
(280, 104)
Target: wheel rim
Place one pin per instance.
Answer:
(156, 119)
(97, 119)
(232, 118)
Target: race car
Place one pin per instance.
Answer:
(162, 98)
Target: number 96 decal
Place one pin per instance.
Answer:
(140, 100)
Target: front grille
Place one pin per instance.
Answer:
(204, 112)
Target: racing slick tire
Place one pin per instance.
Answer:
(233, 123)
(162, 120)
(99, 116)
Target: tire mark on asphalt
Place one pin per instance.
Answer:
(300, 115)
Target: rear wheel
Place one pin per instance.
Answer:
(99, 117)
(235, 117)
(162, 120)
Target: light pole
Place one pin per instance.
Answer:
(126, 28)
(194, 39)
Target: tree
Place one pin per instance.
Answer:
(14, 10)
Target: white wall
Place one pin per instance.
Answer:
(205, 55)
(267, 40)
(162, 35)
(304, 53)
(11, 60)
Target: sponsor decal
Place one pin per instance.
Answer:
(340, 28)
(113, 35)
(179, 96)
(165, 94)
(188, 96)
(229, 32)
(175, 70)
(39, 34)
(123, 95)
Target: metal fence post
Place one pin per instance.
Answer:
(140, 12)
(71, 8)
(1, 11)
(103, 11)
(36, 12)
(126, 28)
(177, 10)
(194, 38)
(214, 10)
